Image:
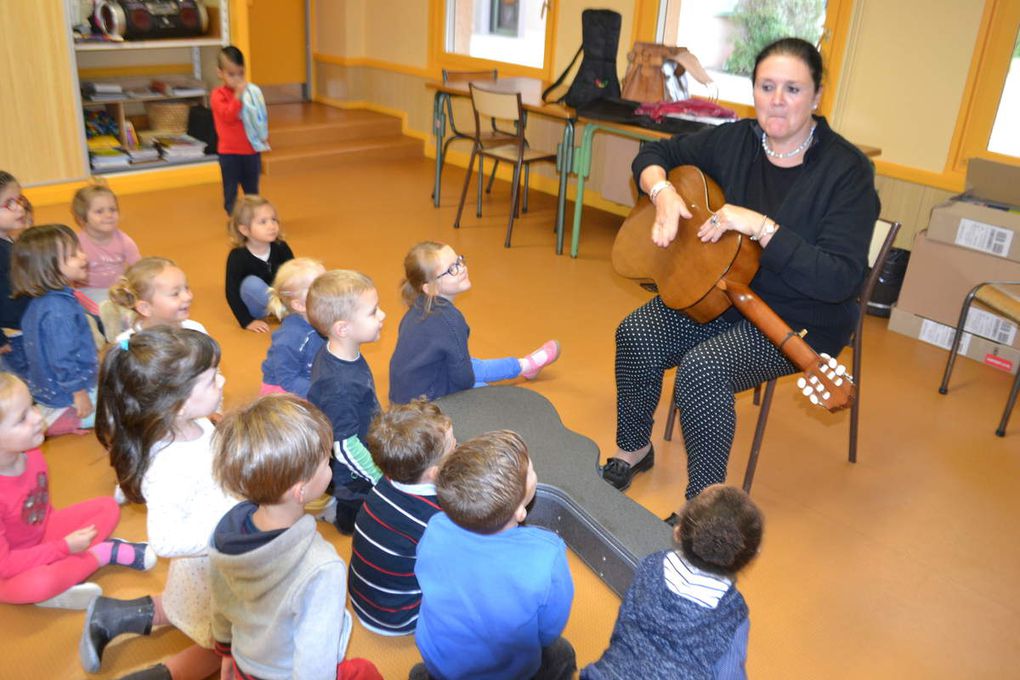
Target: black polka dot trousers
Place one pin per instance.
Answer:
(714, 361)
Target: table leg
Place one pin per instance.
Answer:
(582, 166)
(439, 130)
(565, 158)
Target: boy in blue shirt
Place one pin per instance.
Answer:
(495, 596)
(343, 306)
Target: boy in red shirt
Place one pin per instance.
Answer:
(240, 163)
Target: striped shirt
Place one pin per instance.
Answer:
(384, 591)
(691, 583)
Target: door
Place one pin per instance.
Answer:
(279, 47)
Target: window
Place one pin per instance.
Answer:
(726, 35)
(507, 31)
(1005, 137)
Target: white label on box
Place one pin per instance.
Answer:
(991, 326)
(940, 335)
(984, 237)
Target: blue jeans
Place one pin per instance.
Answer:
(243, 169)
(255, 295)
(494, 370)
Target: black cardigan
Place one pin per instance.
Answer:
(242, 264)
(813, 267)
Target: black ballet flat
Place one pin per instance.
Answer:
(619, 473)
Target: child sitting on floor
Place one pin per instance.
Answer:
(157, 291)
(108, 249)
(407, 442)
(278, 588)
(343, 306)
(46, 553)
(431, 358)
(288, 364)
(495, 595)
(258, 253)
(682, 616)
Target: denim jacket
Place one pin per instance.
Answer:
(59, 347)
(289, 361)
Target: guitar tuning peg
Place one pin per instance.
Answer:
(814, 380)
(814, 399)
(826, 396)
(838, 382)
(833, 363)
(831, 375)
(807, 391)
(825, 356)
(841, 369)
(801, 383)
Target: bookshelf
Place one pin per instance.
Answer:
(134, 65)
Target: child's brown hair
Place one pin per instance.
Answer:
(265, 448)
(408, 439)
(36, 259)
(420, 266)
(720, 530)
(244, 213)
(483, 481)
(83, 200)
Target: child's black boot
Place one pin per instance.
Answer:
(107, 618)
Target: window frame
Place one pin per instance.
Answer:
(439, 58)
(838, 14)
(997, 36)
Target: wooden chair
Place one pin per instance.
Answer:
(882, 239)
(493, 136)
(993, 295)
(505, 106)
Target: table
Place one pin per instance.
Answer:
(531, 100)
(581, 164)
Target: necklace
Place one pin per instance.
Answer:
(788, 154)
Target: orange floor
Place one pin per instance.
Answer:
(902, 566)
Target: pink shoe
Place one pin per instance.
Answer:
(67, 423)
(540, 358)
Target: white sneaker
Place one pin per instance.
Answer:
(328, 513)
(118, 495)
(75, 597)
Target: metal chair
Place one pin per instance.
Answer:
(991, 294)
(495, 135)
(504, 106)
(882, 239)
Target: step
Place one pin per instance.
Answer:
(332, 131)
(313, 156)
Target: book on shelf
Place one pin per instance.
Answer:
(109, 157)
(181, 89)
(92, 87)
(179, 147)
(142, 93)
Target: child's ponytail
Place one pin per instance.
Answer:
(136, 283)
(143, 384)
(419, 268)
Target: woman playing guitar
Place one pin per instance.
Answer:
(808, 197)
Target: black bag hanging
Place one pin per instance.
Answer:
(596, 79)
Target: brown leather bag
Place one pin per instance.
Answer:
(645, 81)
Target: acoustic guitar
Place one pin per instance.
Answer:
(704, 279)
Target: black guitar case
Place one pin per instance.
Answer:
(596, 79)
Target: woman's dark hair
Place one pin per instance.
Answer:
(143, 384)
(233, 55)
(720, 530)
(794, 47)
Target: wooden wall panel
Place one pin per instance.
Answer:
(40, 138)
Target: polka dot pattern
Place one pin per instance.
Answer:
(714, 361)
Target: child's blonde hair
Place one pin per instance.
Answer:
(293, 277)
(8, 384)
(268, 446)
(244, 213)
(136, 283)
(333, 297)
(420, 266)
(36, 259)
(83, 199)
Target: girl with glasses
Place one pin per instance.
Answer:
(14, 217)
(431, 358)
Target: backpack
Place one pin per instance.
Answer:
(201, 127)
(596, 79)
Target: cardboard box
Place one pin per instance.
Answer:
(974, 347)
(938, 279)
(986, 218)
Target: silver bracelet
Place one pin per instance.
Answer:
(657, 189)
(764, 229)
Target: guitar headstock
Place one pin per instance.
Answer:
(828, 385)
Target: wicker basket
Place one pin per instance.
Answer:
(168, 116)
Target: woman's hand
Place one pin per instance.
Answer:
(82, 404)
(81, 539)
(731, 218)
(669, 208)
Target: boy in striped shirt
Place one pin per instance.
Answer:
(407, 443)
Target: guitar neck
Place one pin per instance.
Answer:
(771, 325)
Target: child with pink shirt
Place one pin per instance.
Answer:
(109, 250)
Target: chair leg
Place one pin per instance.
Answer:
(1010, 403)
(514, 188)
(957, 336)
(492, 177)
(756, 397)
(855, 408)
(463, 193)
(759, 435)
(527, 184)
(481, 182)
(673, 412)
